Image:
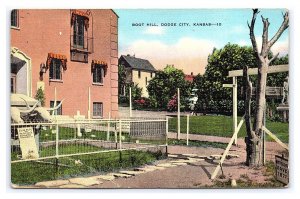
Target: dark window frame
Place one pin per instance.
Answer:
(13, 81)
(59, 110)
(14, 20)
(97, 109)
(78, 32)
(139, 74)
(55, 70)
(98, 74)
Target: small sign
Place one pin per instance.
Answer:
(124, 126)
(282, 169)
(88, 130)
(27, 143)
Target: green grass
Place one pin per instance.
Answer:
(222, 126)
(25, 173)
(71, 133)
(195, 143)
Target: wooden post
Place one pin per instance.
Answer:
(56, 141)
(120, 134)
(275, 138)
(215, 173)
(89, 103)
(178, 114)
(54, 105)
(130, 103)
(187, 129)
(108, 127)
(234, 100)
(264, 138)
(167, 129)
(79, 134)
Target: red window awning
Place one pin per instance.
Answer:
(62, 58)
(82, 14)
(100, 63)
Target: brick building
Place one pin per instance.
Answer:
(71, 55)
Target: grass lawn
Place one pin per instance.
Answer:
(222, 126)
(25, 173)
(196, 143)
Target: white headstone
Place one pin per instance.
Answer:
(27, 143)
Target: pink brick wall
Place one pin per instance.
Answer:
(45, 31)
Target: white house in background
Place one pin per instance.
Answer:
(139, 71)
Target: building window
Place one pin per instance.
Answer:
(55, 69)
(99, 70)
(78, 32)
(139, 74)
(146, 81)
(97, 109)
(59, 110)
(13, 83)
(98, 74)
(14, 18)
(151, 75)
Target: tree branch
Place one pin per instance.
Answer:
(264, 46)
(283, 27)
(274, 57)
(252, 36)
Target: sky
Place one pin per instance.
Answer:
(151, 34)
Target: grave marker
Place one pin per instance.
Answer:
(282, 169)
(27, 143)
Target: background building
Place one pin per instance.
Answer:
(71, 55)
(138, 71)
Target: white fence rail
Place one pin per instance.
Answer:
(80, 137)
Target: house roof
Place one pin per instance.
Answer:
(138, 63)
(189, 78)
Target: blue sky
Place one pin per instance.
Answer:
(187, 47)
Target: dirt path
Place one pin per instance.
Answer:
(195, 173)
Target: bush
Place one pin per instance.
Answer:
(172, 104)
(141, 103)
(40, 96)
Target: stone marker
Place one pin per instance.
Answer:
(27, 143)
(233, 183)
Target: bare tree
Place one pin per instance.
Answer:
(254, 133)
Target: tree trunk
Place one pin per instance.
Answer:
(254, 142)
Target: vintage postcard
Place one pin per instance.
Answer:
(149, 98)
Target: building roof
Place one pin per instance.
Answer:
(138, 63)
(189, 78)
